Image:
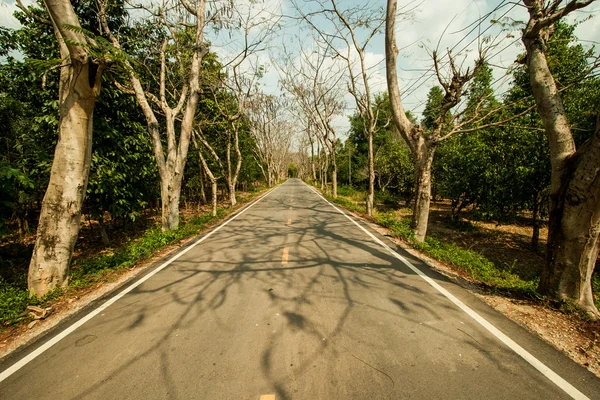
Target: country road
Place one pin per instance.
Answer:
(291, 299)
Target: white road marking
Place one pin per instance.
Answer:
(31, 356)
(537, 364)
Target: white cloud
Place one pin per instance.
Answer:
(7, 9)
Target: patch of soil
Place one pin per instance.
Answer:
(507, 245)
(578, 338)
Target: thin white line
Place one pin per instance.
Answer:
(537, 364)
(31, 356)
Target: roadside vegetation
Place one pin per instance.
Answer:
(493, 254)
(95, 264)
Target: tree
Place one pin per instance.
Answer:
(315, 85)
(272, 133)
(574, 208)
(422, 139)
(81, 67)
(348, 37)
(393, 163)
(179, 57)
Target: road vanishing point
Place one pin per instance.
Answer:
(290, 298)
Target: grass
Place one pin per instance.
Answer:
(90, 271)
(85, 273)
(468, 261)
(596, 288)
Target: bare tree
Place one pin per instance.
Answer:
(198, 136)
(354, 28)
(79, 87)
(240, 78)
(314, 80)
(272, 132)
(423, 143)
(173, 18)
(574, 222)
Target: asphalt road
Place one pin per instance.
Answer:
(292, 300)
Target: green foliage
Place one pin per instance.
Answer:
(432, 108)
(502, 171)
(87, 272)
(468, 261)
(13, 302)
(393, 163)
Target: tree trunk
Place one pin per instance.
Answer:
(60, 215)
(214, 189)
(202, 192)
(333, 168)
(535, 237)
(324, 184)
(423, 163)
(170, 190)
(572, 248)
(371, 165)
(103, 234)
(334, 178)
(312, 162)
(232, 176)
(574, 220)
(271, 177)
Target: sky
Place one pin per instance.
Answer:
(445, 24)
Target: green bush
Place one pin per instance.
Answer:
(469, 261)
(13, 302)
(346, 190)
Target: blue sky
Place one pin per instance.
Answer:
(415, 36)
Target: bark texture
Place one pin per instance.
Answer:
(60, 214)
(423, 163)
(574, 206)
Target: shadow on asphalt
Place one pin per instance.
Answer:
(322, 240)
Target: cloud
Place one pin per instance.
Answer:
(7, 9)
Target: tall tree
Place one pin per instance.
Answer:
(423, 140)
(79, 86)
(574, 223)
(348, 37)
(180, 56)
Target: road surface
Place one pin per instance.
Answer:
(291, 299)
